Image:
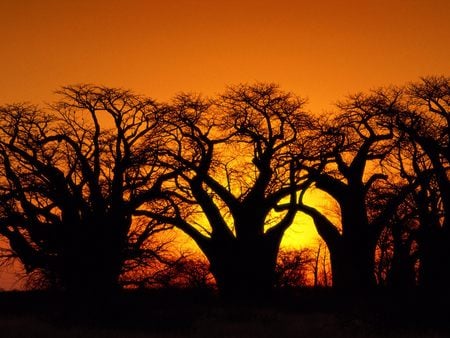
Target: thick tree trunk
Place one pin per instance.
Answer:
(93, 272)
(353, 257)
(93, 262)
(352, 265)
(434, 254)
(401, 275)
(434, 247)
(244, 269)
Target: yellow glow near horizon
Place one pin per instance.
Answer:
(301, 234)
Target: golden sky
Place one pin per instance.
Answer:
(319, 49)
(322, 50)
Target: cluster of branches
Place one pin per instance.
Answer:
(88, 184)
(384, 159)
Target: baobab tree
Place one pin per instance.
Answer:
(72, 176)
(236, 164)
(425, 156)
(346, 157)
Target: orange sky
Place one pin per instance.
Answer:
(319, 49)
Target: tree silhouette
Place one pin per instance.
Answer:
(320, 266)
(292, 268)
(72, 177)
(88, 184)
(184, 271)
(346, 156)
(425, 156)
(399, 263)
(237, 163)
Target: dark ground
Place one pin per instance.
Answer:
(187, 313)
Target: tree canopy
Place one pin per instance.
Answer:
(89, 182)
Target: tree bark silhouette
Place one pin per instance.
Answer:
(426, 128)
(236, 165)
(70, 184)
(343, 165)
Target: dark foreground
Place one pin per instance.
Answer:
(187, 313)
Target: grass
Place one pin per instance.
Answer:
(188, 314)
